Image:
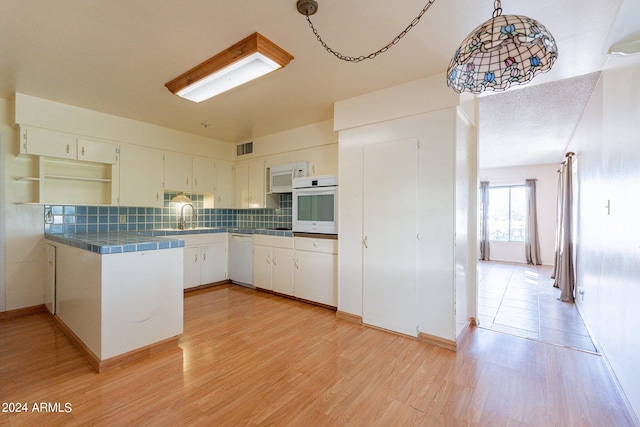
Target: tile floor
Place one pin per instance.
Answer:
(520, 299)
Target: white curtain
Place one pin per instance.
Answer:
(563, 269)
(484, 220)
(532, 242)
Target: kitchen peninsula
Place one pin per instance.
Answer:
(118, 295)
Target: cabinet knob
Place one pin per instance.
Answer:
(196, 260)
(274, 261)
(268, 260)
(68, 149)
(204, 256)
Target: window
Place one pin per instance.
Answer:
(507, 211)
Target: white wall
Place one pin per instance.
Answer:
(608, 245)
(546, 194)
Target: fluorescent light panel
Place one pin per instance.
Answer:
(241, 72)
(248, 59)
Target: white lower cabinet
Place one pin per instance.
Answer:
(273, 263)
(205, 259)
(306, 268)
(316, 270)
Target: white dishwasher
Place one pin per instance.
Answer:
(241, 259)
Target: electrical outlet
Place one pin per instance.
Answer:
(123, 218)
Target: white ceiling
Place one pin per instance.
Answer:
(115, 56)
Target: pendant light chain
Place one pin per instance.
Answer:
(497, 8)
(395, 41)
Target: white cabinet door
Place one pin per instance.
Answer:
(324, 160)
(256, 184)
(141, 174)
(204, 175)
(241, 179)
(178, 169)
(282, 270)
(213, 263)
(48, 144)
(390, 241)
(98, 152)
(191, 267)
(223, 191)
(316, 276)
(262, 267)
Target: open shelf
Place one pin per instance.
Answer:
(64, 181)
(76, 178)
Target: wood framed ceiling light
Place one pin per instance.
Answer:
(246, 60)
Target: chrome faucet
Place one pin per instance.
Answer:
(183, 223)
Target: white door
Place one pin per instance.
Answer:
(50, 281)
(390, 235)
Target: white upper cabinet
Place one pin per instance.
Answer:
(223, 189)
(189, 173)
(241, 179)
(204, 175)
(65, 146)
(98, 152)
(250, 186)
(323, 160)
(178, 172)
(141, 174)
(48, 144)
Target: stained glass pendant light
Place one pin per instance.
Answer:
(505, 50)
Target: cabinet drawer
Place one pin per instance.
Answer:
(273, 241)
(328, 246)
(202, 239)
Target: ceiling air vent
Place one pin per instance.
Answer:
(246, 148)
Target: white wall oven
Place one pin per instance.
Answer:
(315, 204)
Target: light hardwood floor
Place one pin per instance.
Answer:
(251, 358)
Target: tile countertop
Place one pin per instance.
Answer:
(150, 240)
(116, 242)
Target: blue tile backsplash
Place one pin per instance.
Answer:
(99, 219)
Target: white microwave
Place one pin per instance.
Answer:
(315, 205)
(281, 176)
